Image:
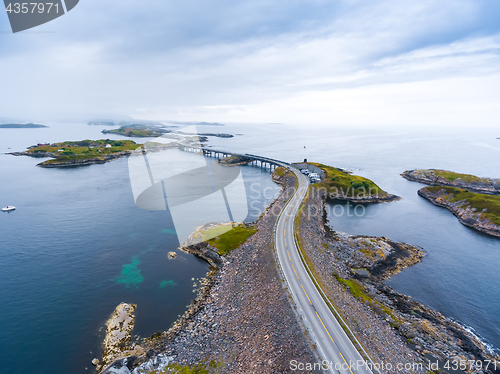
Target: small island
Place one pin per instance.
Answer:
(80, 153)
(137, 131)
(436, 177)
(101, 123)
(478, 211)
(21, 126)
(342, 185)
(233, 161)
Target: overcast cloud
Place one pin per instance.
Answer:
(317, 62)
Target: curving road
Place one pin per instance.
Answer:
(331, 340)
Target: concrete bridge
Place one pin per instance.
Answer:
(264, 162)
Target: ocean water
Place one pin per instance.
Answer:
(77, 246)
(460, 275)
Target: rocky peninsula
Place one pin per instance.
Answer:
(339, 184)
(391, 326)
(243, 320)
(436, 177)
(477, 211)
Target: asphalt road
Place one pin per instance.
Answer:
(331, 340)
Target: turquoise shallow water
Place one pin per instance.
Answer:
(75, 248)
(77, 245)
(460, 275)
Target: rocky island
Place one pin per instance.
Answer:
(137, 131)
(21, 126)
(80, 153)
(473, 200)
(391, 326)
(342, 185)
(435, 177)
(477, 211)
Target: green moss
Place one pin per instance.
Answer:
(358, 291)
(355, 288)
(230, 240)
(339, 182)
(202, 368)
(452, 176)
(487, 205)
(280, 171)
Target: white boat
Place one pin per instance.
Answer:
(8, 208)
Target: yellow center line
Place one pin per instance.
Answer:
(346, 363)
(289, 255)
(324, 327)
(295, 272)
(306, 294)
(285, 243)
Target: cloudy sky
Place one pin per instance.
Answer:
(307, 62)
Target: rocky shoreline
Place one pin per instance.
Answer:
(233, 161)
(392, 327)
(368, 199)
(429, 177)
(243, 321)
(466, 216)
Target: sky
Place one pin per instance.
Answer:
(289, 61)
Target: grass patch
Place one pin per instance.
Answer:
(338, 182)
(280, 171)
(452, 176)
(131, 131)
(212, 367)
(487, 205)
(230, 240)
(355, 288)
(83, 150)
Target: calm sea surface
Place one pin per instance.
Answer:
(460, 276)
(77, 245)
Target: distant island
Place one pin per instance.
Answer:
(436, 177)
(135, 131)
(146, 131)
(80, 153)
(342, 185)
(475, 201)
(21, 126)
(101, 123)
